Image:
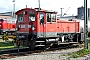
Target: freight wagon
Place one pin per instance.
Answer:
(41, 28)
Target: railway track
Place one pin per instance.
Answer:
(24, 52)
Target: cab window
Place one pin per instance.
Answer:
(20, 17)
(48, 17)
(41, 18)
(31, 16)
(51, 17)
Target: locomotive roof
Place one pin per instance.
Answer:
(78, 20)
(36, 9)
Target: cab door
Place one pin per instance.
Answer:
(51, 25)
(41, 26)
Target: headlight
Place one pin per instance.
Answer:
(3, 31)
(17, 28)
(33, 28)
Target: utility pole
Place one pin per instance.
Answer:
(85, 25)
(61, 11)
(39, 4)
(13, 8)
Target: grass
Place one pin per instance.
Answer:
(4, 45)
(7, 45)
(88, 38)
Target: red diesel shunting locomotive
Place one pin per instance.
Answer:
(7, 25)
(37, 28)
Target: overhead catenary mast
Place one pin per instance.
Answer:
(13, 8)
(85, 25)
(66, 12)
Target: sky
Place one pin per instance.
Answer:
(55, 5)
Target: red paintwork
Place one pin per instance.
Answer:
(60, 26)
(68, 26)
(51, 27)
(26, 21)
(7, 24)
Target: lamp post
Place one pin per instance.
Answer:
(13, 8)
(85, 25)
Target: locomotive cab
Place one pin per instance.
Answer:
(26, 22)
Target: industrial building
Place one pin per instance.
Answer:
(6, 15)
(80, 12)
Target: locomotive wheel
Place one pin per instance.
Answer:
(81, 42)
(32, 45)
(48, 46)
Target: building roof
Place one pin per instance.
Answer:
(6, 14)
(2, 16)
